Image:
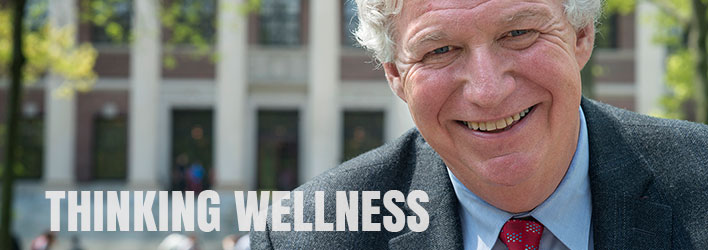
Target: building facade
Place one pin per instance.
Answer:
(286, 95)
(269, 113)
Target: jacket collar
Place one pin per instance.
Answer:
(430, 175)
(625, 214)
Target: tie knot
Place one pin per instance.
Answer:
(521, 234)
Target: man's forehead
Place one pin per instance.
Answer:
(494, 13)
(418, 14)
(418, 7)
(430, 5)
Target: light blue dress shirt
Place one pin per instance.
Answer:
(565, 214)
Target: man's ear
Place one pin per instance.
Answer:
(394, 80)
(584, 44)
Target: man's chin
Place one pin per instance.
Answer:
(507, 170)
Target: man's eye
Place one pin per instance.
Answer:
(515, 33)
(441, 50)
(440, 54)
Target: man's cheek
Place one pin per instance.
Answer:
(425, 102)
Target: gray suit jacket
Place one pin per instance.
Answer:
(649, 183)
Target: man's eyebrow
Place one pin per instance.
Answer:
(537, 14)
(427, 38)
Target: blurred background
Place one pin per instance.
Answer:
(255, 95)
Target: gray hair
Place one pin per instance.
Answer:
(376, 25)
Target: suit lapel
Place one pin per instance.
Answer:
(444, 230)
(625, 213)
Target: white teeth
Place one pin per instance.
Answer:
(491, 126)
(509, 120)
(523, 113)
(501, 124)
(516, 117)
(498, 124)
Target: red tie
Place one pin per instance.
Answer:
(521, 234)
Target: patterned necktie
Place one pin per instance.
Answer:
(521, 234)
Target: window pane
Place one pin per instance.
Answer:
(192, 141)
(28, 154)
(277, 150)
(195, 22)
(363, 131)
(350, 23)
(280, 22)
(109, 150)
(110, 20)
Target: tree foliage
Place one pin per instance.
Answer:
(681, 26)
(673, 28)
(189, 25)
(49, 49)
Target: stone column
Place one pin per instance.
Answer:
(145, 75)
(323, 114)
(649, 59)
(231, 99)
(60, 117)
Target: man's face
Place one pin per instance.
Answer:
(464, 63)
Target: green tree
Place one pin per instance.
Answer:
(48, 49)
(29, 53)
(682, 27)
(16, 68)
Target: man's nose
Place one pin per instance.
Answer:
(487, 77)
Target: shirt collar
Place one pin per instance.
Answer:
(566, 213)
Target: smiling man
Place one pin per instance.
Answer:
(510, 153)
(469, 70)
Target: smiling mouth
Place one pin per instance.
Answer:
(500, 125)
